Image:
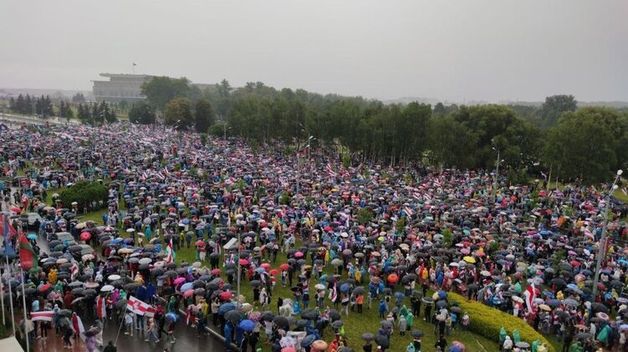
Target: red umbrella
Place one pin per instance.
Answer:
(85, 236)
(284, 267)
(274, 272)
(200, 243)
(215, 272)
(393, 278)
(225, 296)
(266, 266)
(44, 287)
(244, 262)
(298, 255)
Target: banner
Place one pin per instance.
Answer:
(46, 315)
(139, 307)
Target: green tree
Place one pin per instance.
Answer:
(203, 115)
(589, 144)
(161, 90)
(178, 113)
(78, 98)
(142, 113)
(554, 106)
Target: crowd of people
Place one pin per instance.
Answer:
(343, 239)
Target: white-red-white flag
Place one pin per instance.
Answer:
(140, 307)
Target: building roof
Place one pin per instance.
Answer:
(124, 75)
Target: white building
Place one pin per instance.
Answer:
(120, 87)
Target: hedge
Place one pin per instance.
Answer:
(84, 193)
(487, 321)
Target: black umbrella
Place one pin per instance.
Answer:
(367, 336)
(382, 340)
(233, 316)
(310, 314)
(267, 316)
(282, 322)
(417, 333)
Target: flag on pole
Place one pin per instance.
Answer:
(74, 270)
(8, 231)
(170, 254)
(28, 258)
(101, 307)
(530, 295)
(139, 307)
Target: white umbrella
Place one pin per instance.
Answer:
(106, 288)
(113, 277)
(145, 261)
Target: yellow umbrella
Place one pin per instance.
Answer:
(469, 259)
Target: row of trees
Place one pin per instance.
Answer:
(96, 114)
(587, 144)
(41, 106)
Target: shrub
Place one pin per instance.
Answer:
(84, 193)
(365, 215)
(487, 321)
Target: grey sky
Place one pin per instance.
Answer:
(455, 50)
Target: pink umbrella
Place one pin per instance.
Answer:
(85, 236)
(298, 255)
(189, 293)
(215, 272)
(225, 296)
(244, 262)
(266, 266)
(179, 280)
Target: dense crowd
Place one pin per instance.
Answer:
(343, 239)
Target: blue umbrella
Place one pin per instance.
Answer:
(442, 294)
(345, 287)
(186, 286)
(224, 308)
(171, 317)
(247, 325)
(32, 236)
(308, 340)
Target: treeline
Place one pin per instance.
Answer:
(96, 114)
(27, 104)
(587, 144)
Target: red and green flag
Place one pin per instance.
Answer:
(28, 258)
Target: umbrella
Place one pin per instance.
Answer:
(106, 288)
(226, 307)
(319, 345)
(247, 325)
(336, 262)
(359, 290)
(308, 340)
(382, 340)
(417, 333)
(267, 316)
(469, 259)
(570, 302)
(233, 316)
(310, 314)
(282, 322)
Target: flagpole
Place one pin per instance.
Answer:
(10, 294)
(24, 304)
(2, 295)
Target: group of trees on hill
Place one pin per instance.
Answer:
(96, 114)
(586, 144)
(27, 104)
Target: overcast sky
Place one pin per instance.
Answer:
(452, 50)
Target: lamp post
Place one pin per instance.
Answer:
(307, 145)
(239, 269)
(496, 173)
(601, 252)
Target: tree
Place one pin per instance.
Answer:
(84, 114)
(78, 98)
(178, 113)
(161, 90)
(142, 113)
(589, 144)
(204, 115)
(554, 106)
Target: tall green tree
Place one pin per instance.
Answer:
(554, 106)
(589, 144)
(203, 115)
(142, 113)
(178, 113)
(161, 90)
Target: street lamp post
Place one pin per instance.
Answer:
(239, 269)
(496, 174)
(601, 251)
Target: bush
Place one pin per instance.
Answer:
(84, 193)
(487, 321)
(365, 215)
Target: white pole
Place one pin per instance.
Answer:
(239, 270)
(2, 293)
(10, 296)
(24, 306)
